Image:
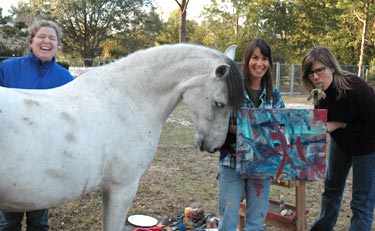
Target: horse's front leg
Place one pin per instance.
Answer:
(116, 203)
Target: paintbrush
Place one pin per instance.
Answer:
(317, 94)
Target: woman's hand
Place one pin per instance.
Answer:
(333, 125)
(233, 129)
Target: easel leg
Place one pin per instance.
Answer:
(300, 206)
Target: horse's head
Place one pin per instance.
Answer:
(211, 100)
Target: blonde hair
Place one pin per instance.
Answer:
(325, 56)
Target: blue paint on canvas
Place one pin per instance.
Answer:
(285, 144)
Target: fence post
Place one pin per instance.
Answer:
(291, 79)
(363, 74)
(278, 76)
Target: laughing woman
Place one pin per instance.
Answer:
(351, 123)
(37, 70)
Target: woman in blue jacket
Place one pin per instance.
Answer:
(37, 70)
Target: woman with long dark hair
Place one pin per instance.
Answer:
(259, 93)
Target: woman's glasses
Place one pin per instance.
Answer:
(44, 37)
(317, 71)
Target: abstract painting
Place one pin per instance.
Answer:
(283, 144)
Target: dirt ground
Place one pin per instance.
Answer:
(180, 177)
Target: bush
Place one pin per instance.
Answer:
(64, 64)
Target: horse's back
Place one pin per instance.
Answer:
(66, 141)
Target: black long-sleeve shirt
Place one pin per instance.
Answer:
(357, 110)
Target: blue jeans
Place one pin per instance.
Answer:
(36, 220)
(231, 190)
(363, 190)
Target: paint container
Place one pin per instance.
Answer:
(211, 223)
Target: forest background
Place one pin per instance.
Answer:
(110, 29)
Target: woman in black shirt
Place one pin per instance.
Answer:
(351, 124)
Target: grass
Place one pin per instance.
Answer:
(180, 177)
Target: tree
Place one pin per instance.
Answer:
(29, 11)
(228, 22)
(354, 41)
(140, 34)
(114, 28)
(169, 32)
(274, 20)
(2, 20)
(182, 29)
(13, 36)
(365, 15)
(87, 24)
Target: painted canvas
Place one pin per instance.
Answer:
(284, 144)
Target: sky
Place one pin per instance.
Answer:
(193, 11)
(5, 4)
(164, 7)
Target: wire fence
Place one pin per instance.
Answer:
(286, 77)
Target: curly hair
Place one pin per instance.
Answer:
(33, 29)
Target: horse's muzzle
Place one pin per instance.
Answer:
(203, 146)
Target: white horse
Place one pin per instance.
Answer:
(101, 131)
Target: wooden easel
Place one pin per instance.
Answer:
(295, 223)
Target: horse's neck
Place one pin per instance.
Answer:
(152, 80)
(149, 88)
(157, 95)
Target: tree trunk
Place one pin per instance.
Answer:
(182, 37)
(182, 30)
(364, 31)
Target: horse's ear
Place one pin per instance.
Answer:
(222, 70)
(231, 51)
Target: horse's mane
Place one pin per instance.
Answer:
(235, 85)
(233, 80)
(172, 50)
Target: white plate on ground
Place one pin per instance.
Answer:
(142, 220)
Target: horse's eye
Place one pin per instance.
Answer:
(218, 104)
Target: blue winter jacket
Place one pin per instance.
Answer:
(28, 72)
